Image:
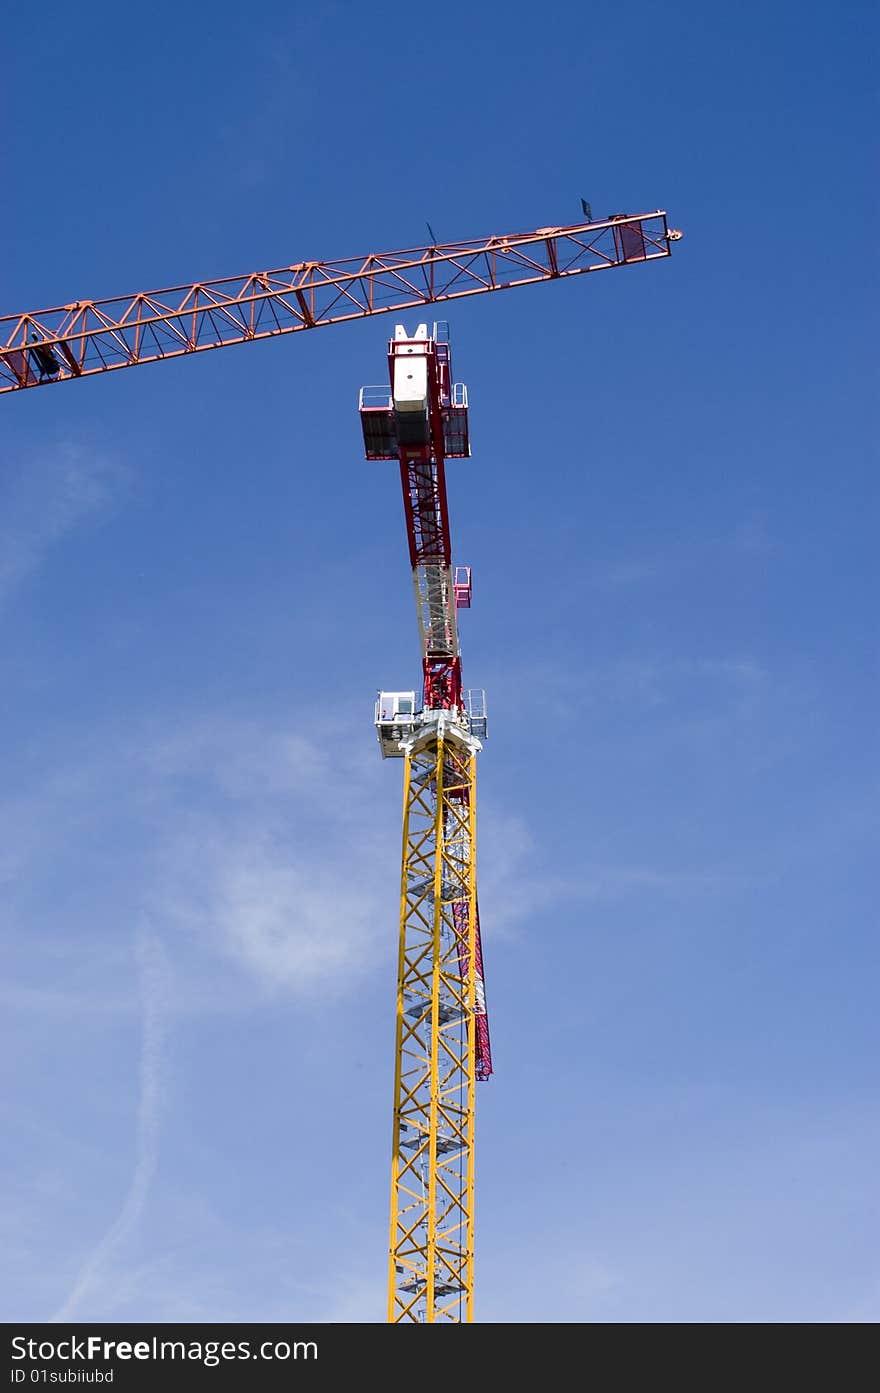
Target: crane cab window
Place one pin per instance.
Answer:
(394, 707)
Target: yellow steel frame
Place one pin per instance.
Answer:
(431, 1267)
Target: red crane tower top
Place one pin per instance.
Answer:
(422, 421)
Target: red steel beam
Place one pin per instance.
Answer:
(94, 336)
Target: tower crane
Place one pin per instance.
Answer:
(442, 1042)
(442, 1031)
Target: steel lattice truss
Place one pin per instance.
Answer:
(94, 336)
(432, 1181)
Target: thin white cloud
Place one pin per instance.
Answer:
(293, 920)
(514, 888)
(259, 845)
(274, 860)
(48, 499)
(154, 978)
(261, 849)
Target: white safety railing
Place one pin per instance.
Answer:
(375, 398)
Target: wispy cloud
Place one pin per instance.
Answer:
(253, 846)
(154, 979)
(264, 854)
(276, 860)
(743, 543)
(514, 887)
(293, 920)
(45, 501)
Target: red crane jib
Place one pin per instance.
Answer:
(76, 340)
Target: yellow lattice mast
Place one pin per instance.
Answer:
(431, 1269)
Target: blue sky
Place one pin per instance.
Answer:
(671, 513)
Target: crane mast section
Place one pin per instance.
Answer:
(431, 1268)
(435, 609)
(96, 336)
